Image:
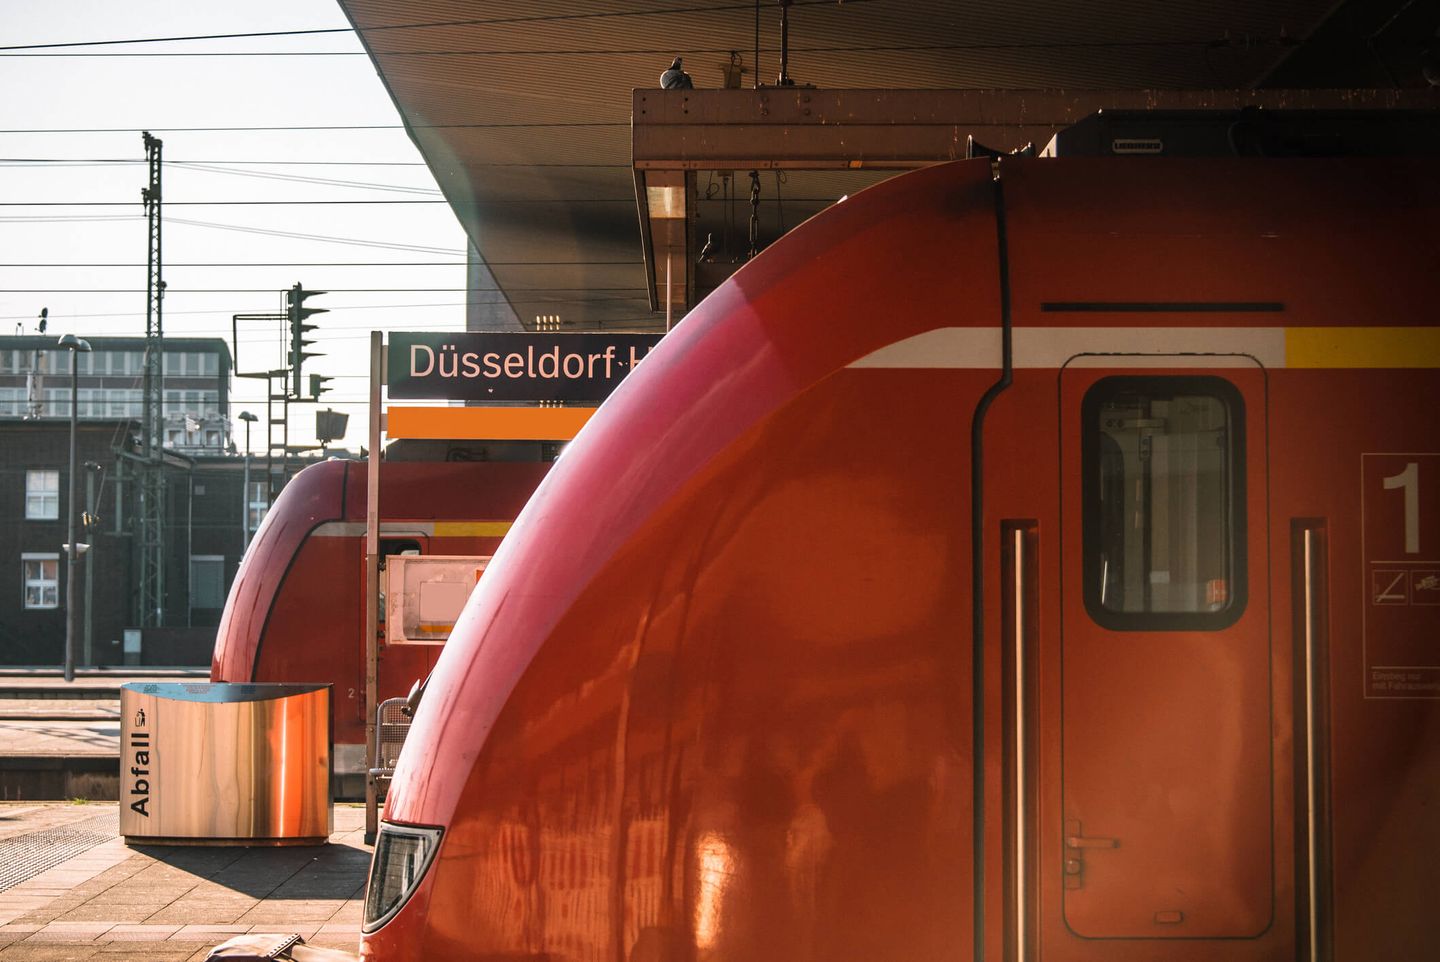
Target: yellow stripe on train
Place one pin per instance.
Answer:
(1362, 347)
(472, 529)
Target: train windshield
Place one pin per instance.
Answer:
(1163, 511)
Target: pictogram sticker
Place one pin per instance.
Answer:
(1389, 587)
(1400, 538)
(1425, 586)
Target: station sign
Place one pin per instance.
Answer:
(480, 366)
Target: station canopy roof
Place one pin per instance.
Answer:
(523, 110)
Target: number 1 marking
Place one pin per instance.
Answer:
(1409, 479)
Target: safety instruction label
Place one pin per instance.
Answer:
(1400, 533)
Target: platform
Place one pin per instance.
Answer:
(71, 889)
(61, 740)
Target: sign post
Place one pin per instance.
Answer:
(372, 583)
(538, 386)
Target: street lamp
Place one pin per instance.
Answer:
(249, 419)
(76, 346)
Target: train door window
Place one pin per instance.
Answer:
(393, 546)
(388, 548)
(1164, 514)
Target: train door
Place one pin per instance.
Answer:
(1165, 828)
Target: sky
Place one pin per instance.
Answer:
(72, 166)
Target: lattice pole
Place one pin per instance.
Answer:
(151, 596)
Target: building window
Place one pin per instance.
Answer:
(92, 401)
(184, 363)
(258, 503)
(1164, 513)
(42, 580)
(42, 495)
(57, 402)
(207, 581)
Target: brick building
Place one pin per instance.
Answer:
(207, 507)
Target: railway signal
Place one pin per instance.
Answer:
(297, 312)
(317, 385)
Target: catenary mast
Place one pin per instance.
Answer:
(151, 596)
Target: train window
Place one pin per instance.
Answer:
(1164, 513)
(389, 547)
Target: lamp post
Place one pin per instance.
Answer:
(249, 419)
(76, 346)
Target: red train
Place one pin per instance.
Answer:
(295, 612)
(1037, 566)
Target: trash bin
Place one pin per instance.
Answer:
(225, 764)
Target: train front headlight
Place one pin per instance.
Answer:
(403, 854)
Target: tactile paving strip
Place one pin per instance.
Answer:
(26, 856)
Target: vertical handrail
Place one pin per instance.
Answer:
(1312, 786)
(1309, 545)
(1018, 544)
(1308, 552)
(1017, 574)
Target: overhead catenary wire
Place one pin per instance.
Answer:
(56, 316)
(83, 161)
(305, 179)
(267, 175)
(222, 203)
(357, 242)
(264, 231)
(350, 201)
(346, 331)
(384, 28)
(543, 125)
(268, 232)
(1205, 42)
(227, 311)
(359, 201)
(243, 264)
(171, 290)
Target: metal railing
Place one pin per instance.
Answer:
(392, 724)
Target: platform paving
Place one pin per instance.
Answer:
(113, 903)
